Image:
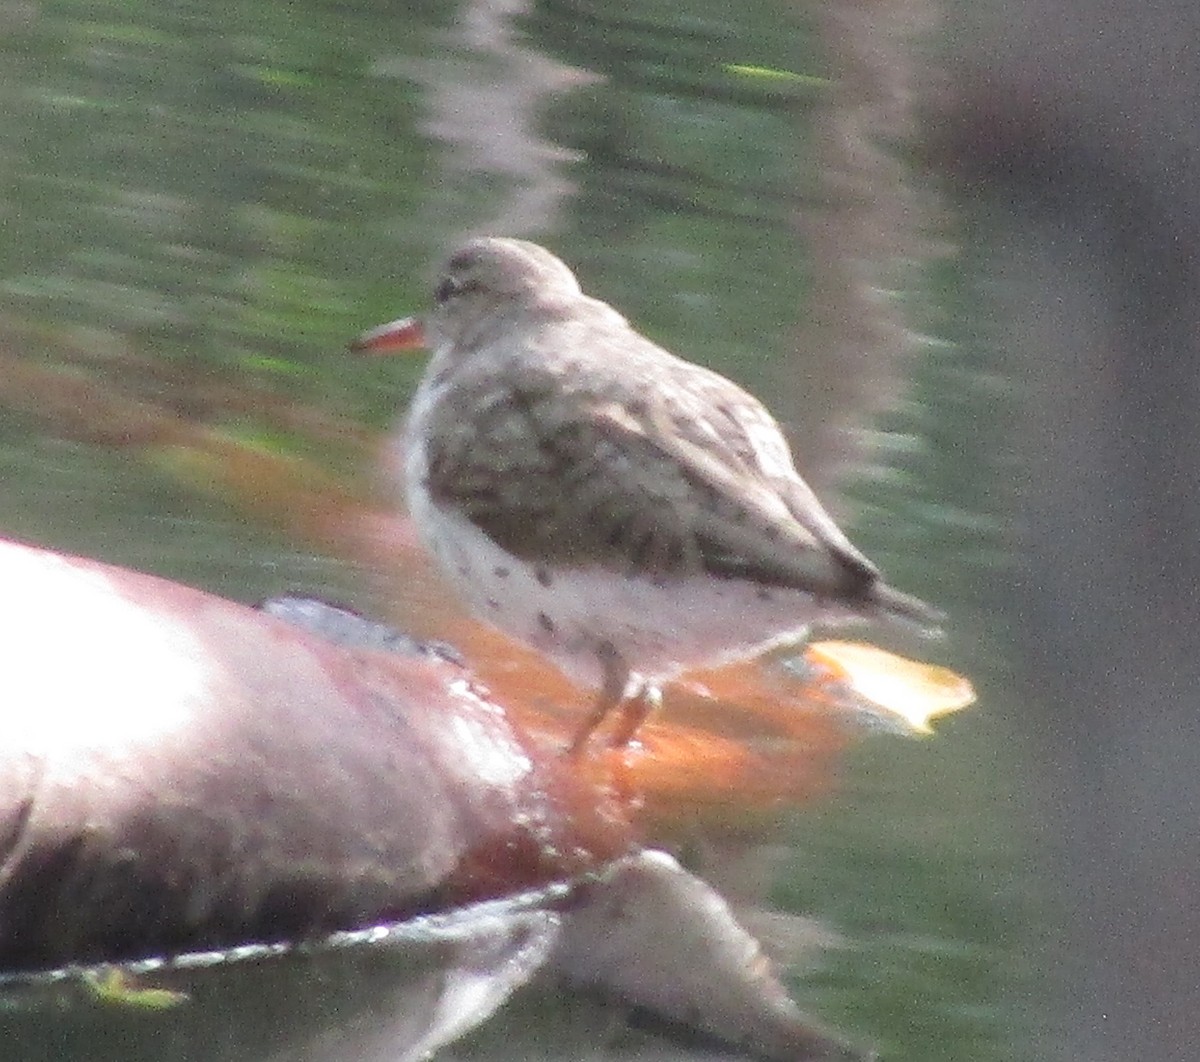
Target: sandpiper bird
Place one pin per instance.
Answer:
(624, 511)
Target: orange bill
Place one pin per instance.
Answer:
(407, 333)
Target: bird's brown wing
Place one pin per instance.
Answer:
(582, 479)
(732, 425)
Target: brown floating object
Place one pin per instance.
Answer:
(179, 771)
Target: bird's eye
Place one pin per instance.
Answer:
(447, 288)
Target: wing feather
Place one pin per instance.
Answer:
(649, 488)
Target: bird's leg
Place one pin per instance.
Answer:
(638, 706)
(613, 692)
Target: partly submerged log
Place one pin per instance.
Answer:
(179, 772)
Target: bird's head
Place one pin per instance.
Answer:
(484, 285)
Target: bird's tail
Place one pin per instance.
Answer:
(888, 603)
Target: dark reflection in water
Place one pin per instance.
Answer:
(233, 191)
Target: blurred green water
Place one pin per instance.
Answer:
(237, 190)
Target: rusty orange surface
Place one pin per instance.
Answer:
(745, 734)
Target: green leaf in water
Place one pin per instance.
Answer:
(115, 986)
(276, 77)
(766, 73)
